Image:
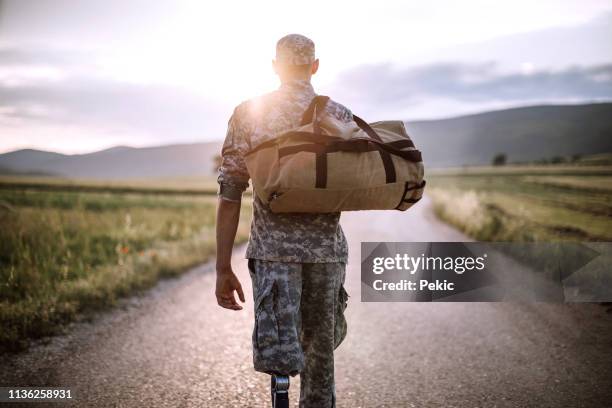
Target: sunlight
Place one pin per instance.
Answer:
(225, 54)
(210, 57)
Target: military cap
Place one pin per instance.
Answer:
(295, 49)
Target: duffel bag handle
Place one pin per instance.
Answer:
(365, 126)
(384, 155)
(316, 106)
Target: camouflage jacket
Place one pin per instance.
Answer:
(288, 237)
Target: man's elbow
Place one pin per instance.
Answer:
(229, 204)
(230, 192)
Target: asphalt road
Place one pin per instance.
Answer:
(174, 347)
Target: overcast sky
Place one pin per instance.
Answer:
(77, 76)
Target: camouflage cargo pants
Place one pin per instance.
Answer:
(299, 321)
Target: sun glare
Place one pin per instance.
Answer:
(215, 55)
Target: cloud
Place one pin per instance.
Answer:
(385, 86)
(156, 108)
(39, 87)
(50, 87)
(10, 56)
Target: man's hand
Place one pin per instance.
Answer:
(228, 214)
(227, 283)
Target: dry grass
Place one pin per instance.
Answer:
(204, 184)
(510, 205)
(597, 183)
(66, 253)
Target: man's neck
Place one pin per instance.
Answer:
(296, 84)
(295, 80)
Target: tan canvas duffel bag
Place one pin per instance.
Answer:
(326, 165)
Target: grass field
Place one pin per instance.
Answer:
(64, 252)
(69, 247)
(526, 203)
(177, 185)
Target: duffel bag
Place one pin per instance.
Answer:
(325, 165)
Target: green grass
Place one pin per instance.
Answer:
(65, 253)
(526, 203)
(176, 186)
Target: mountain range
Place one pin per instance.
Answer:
(523, 134)
(120, 162)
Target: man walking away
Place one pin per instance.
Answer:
(296, 260)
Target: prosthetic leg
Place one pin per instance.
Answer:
(280, 391)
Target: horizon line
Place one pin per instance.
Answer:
(442, 118)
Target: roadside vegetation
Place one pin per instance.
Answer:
(65, 252)
(526, 202)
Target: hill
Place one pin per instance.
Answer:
(118, 162)
(524, 134)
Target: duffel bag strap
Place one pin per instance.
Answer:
(408, 188)
(317, 105)
(390, 175)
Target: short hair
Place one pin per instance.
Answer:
(296, 69)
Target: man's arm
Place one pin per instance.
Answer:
(228, 215)
(233, 180)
